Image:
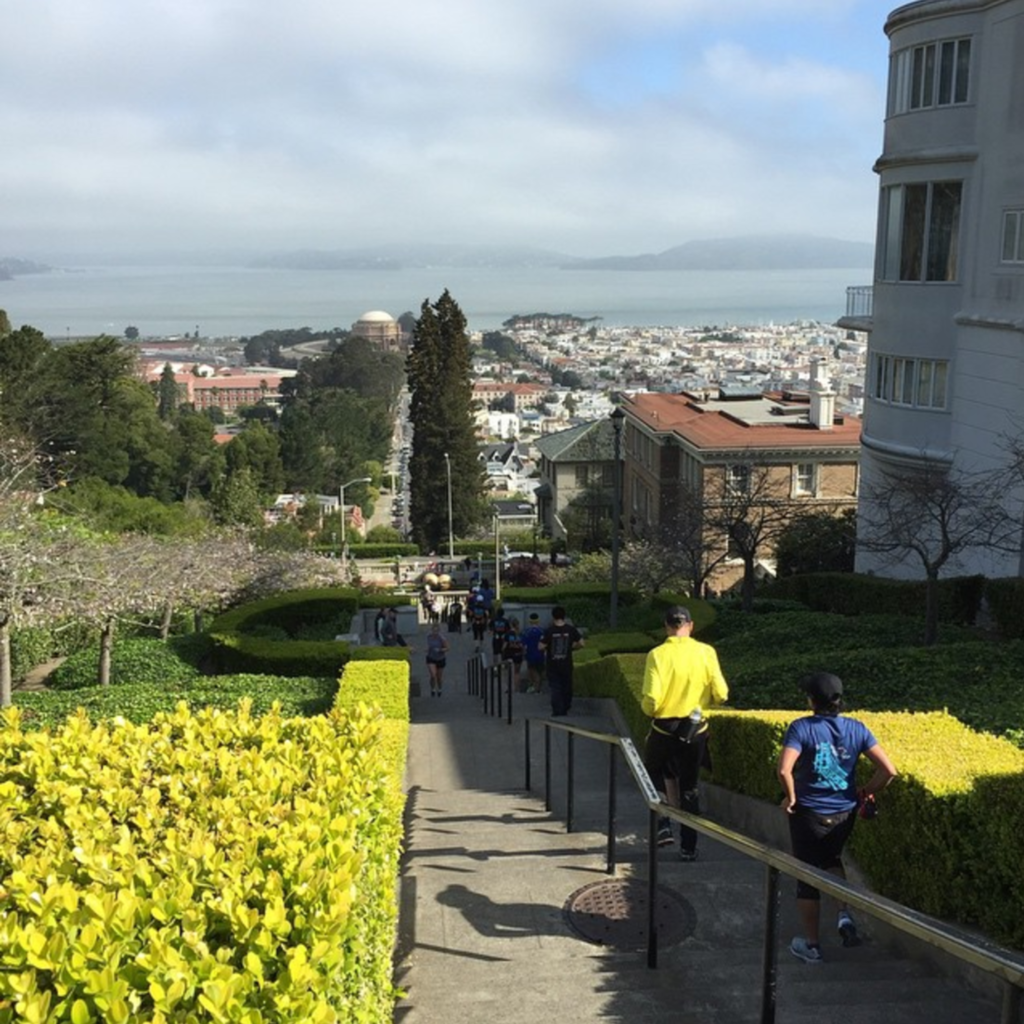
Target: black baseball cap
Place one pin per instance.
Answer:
(677, 614)
(822, 687)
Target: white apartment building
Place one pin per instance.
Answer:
(945, 374)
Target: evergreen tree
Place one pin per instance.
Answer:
(441, 411)
(167, 394)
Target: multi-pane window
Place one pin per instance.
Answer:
(914, 382)
(737, 479)
(920, 231)
(933, 75)
(1013, 236)
(582, 477)
(805, 478)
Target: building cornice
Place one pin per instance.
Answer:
(903, 454)
(918, 157)
(994, 323)
(923, 10)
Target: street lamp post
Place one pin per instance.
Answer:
(617, 417)
(497, 556)
(341, 506)
(451, 535)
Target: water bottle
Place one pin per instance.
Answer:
(692, 725)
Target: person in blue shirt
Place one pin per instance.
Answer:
(817, 769)
(534, 656)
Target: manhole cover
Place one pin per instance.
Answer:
(614, 913)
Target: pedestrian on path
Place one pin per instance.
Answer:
(455, 616)
(513, 651)
(499, 630)
(817, 769)
(437, 658)
(561, 638)
(532, 653)
(478, 620)
(682, 679)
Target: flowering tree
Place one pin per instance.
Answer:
(35, 573)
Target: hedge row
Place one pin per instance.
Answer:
(239, 647)
(205, 866)
(852, 594)
(140, 702)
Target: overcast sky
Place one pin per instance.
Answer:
(591, 127)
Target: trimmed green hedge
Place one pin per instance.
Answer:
(383, 683)
(239, 648)
(292, 610)
(853, 594)
(131, 661)
(139, 702)
(1006, 605)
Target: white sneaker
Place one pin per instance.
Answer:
(847, 929)
(803, 950)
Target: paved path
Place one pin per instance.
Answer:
(488, 874)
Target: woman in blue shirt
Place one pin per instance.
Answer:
(817, 769)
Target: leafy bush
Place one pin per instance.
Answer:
(140, 702)
(262, 855)
(1006, 603)
(131, 661)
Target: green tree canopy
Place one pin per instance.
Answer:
(442, 415)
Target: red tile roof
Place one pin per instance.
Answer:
(710, 428)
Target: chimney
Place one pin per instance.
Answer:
(823, 399)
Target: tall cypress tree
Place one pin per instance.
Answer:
(441, 411)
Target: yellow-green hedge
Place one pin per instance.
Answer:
(209, 866)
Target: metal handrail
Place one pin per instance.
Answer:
(991, 958)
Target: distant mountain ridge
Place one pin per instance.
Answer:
(756, 252)
(9, 267)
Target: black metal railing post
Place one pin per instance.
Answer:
(1011, 1003)
(652, 889)
(769, 956)
(526, 753)
(570, 784)
(510, 673)
(547, 767)
(612, 809)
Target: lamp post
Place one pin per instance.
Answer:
(617, 417)
(451, 535)
(497, 556)
(341, 506)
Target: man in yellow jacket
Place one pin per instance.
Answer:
(682, 679)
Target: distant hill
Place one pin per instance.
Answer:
(400, 257)
(760, 252)
(10, 267)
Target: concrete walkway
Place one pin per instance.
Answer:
(489, 874)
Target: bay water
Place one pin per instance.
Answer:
(231, 302)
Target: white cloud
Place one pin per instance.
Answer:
(621, 126)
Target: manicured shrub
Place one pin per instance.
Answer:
(1006, 605)
(383, 683)
(140, 702)
(131, 661)
(210, 866)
